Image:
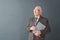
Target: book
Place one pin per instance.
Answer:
(40, 26)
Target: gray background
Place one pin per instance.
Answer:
(14, 15)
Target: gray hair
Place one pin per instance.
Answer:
(38, 7)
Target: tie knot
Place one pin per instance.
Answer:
(36, 18)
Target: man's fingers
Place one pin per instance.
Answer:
(37, 33)
(33, 28)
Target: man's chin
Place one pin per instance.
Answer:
(36, 16)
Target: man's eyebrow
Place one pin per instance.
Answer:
(38, 9)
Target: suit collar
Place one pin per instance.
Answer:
(39, 18)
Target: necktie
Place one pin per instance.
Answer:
(36, 21)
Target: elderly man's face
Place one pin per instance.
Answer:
(37, 12)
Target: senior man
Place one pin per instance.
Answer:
(38, 32)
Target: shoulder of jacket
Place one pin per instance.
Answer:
(45, 18)
(31, 18)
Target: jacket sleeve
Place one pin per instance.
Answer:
(29, 25)
(47, 29)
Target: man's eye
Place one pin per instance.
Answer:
(38, 10)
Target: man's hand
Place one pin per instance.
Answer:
(33, 28)
(37, 33)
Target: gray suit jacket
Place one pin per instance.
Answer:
(44, 21)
